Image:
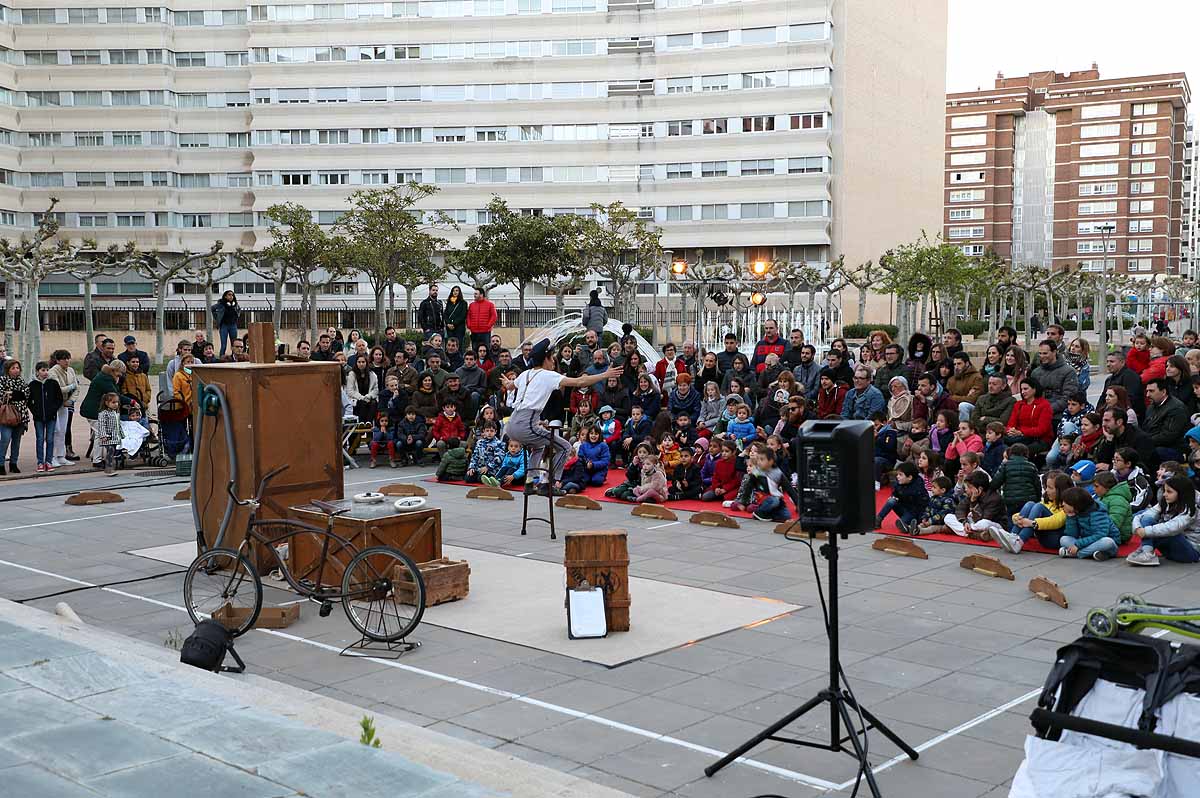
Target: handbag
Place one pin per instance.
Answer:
(10, 416)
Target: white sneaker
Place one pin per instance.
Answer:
(1142, 557)
(727, 504)
(1007, 540)
(60, 462)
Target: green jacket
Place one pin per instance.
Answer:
(1117, 502)
(1018, 482)
(89, 408)
(990, 407)
(453, 464)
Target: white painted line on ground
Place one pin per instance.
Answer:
(93, 517)
(526, 554)
(660, 526)
(391, 478)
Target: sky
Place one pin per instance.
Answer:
(1125, 37)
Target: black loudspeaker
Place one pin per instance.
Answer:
(835, 467)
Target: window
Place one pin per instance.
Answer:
(193, 140)
(1091, 189)
(238, 180)
(678, 41)
(233, 16)
(333, 136)
(242, 219)
(808, 121)
(968, 158)
(1099, 150)
(449, 134)
(966, 232)
(1144, 128)
(376, 52)
(191, 59)
(1139, 264)
(1097, 169)
(758, 80)
(966, 177)
(972, 250)
(1143, 147)
(974, 120)
(191, 100)
(294, 137)
(531, 132)
(1100, 111)
(531, 174)
(1141, 245)
(122, 56)
(291, 96)
(237, 59)
(128, 179)
(758, 35)
(1094, 247)
(714, 38)
(812, 76)
(1141, 226)
(89, 139)
(1092, 208)
(93, 220)
(408, 135)
(237, 99)
(409, 176)
(41, 57)
(682, 127)
(757, 124)
(403, 94)
(38, 16)
(264, 178)
(237, 140)
(1143, 187)
(680, 85)
(1141, 168)
(45, 179)
(1099, 131)
(154, 56)
(124, 98)
(330, 54)
(375, 135)
(43, 98)
(714, 83)
(449, 175)
(45, 139)
(333, 178)
(678, 170)
(758, 210)
(196, 219)
(679, 213)
(714, 169)
(714, 127)
(491, 134)
(1098, 265)
(1145, 109)
(966, 214)
(813, 164)
(83, 16)
(497, 174)
(295, 178)
(90, 179)
(1140, 206)
(188, 18)
(764, 166)
(375, 178)
(127, 138)
(373, 94)
(131, 220)
(971, 195)
(817, 208)
(710, 212)
(969, 140)
(195, 180)
(1098, 227)
(338, 95)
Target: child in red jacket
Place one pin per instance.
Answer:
(448, 425)
(726, 476)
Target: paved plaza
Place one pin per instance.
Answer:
(950, 659)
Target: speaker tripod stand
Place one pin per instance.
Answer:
(842, 704)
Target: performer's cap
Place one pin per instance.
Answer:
(540, 350)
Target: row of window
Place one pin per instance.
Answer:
(818, 76)
(176, 58)
(413, 135)
(1086, 112)
(1110, 264)
(817, 209)
(124, 16)
(445, 176)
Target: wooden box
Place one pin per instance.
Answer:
(418, 534)
(601, 558)
(445, 580)
(282, 414)
(268, 617)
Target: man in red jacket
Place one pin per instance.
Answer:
(771, 343)
(481, 318)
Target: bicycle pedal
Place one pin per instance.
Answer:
(326, 608)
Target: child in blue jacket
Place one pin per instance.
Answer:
(592, 466)
(486, 457)
(742, 431)
(1089, 531)
(512, 466)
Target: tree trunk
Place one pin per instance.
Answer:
(160, 319)
(1028, 308)
(10, 299)
(560, 303)
(31, 323)
(312, 313)
(379, 313)
(277, 311)
(408, 307)
(521, 309)
(209, 301)
(89, 321)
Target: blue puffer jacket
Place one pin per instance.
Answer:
(488, 453)
(513, 465)
(597, 454)
(1089, 527)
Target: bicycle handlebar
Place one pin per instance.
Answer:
(262, 487)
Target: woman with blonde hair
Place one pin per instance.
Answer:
(900, 404)
(871, 354)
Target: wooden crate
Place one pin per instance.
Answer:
(268, 617)
(418, 534)
(445, 580)
(601, 558)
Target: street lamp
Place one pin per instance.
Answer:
(1106, 229)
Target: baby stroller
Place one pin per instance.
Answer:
(149, 451)
(173, 419)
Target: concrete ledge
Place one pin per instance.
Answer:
(460, 758)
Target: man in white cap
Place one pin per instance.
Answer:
(533, 389)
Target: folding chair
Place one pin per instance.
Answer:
(352, 429)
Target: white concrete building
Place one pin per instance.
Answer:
(759, 129)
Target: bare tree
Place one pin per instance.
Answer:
(110, 262)
(161, 270)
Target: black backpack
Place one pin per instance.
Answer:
(207, 646)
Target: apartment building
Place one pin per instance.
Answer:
(1189, 261)
(1056, 169)
(750, 129)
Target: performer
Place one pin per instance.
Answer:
(534, 387)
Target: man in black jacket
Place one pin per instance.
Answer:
(1117, 435)
(1122, 376)
(429, 314)
(131, 350)
(391, 343)
(725, 356)
(323, 352)
(1166, 420)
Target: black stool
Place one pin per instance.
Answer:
(530, 474)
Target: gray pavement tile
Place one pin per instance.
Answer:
(31, 780)
(617, 783)
(769, 674)
(698, 658)
(750, 642)
(584, 695)
(390, 685)
(769, 708)
(190, 776)
(524, 679)
(351, 768)
(969, 688)
(1016, 671)
(449, 702)
(739, 780)
(642, 676)
(712, 694)
(581, 741)
(511, 720)
(942, 655)
(91, 748)
(974, 759)
(7, 684)
(1008, 729)
(76, 677)
(899, 673)
(247, 738)
(654, 714)
(20, 650)
(463, 733)
(720, 732)
(928, 710)
(158, 704)
(9, 759)
(913, 778)
(30, 710)
(656, 764)
(538, 757)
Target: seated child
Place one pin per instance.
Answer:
(929, 466)
(685, 480)
(592, 466)
(610, 430)
(994, 447)
(685, 433)
(382, 438)
(980, 510)
(742, 430)
(410, 437)
(1045, 519)
(486, 457)
(941, 504)
(453, 466)
(1017, 479)
(727, 478)
(765, 487)
(909, 499)
(942, 433)
(583, 419)
(633, 475)
(1171, 526)
(966, 439)
(968, 464)
(392, 400)
(728, 416)
(1114, 495)
(704, 461)
(887, 442)
(1089, 531)
(634, 433)
(916, 441)
(1125, 465)
(668, 451)
(782, 461)
(653, 485)
(448, 426)
(512, 467)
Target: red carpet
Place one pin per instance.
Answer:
(617, 476)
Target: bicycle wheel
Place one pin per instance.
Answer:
(383, 594)
(223, 581)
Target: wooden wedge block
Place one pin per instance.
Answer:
(793, 528)
(654, 511)
(94, 497)
(710, 518)
(491, 494)
(1048, 590)
(988, 566)
(902, 546)
(403, 489)
(577, 502)
(184, 495)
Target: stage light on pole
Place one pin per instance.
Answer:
(679, 267)
(758, 298)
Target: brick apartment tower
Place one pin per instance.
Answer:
(1055, 169)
